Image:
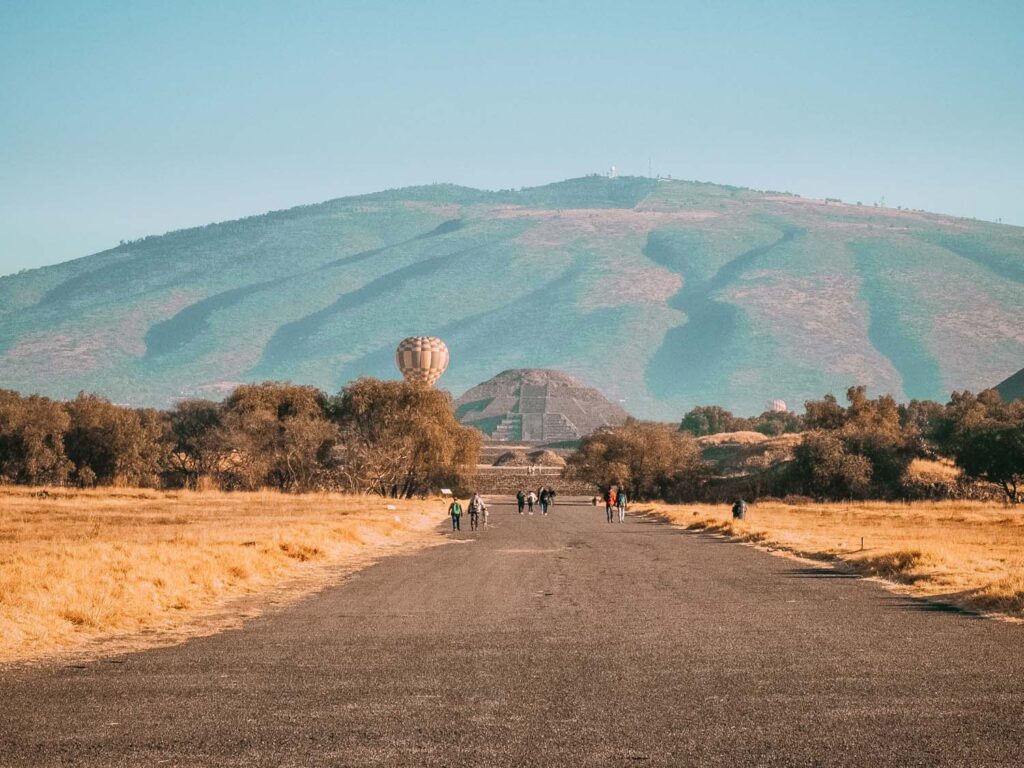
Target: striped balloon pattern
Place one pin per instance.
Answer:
(422, 359)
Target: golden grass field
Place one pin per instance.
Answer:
(145, 567)
(966, 553)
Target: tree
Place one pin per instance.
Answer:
(775, 423)
(874, 429)
(111, 445)
(651, 460)
(197, 449)
(985, 437)
(857, 451)
(823, 467)
(922, 420)
(708, 420)
(824, 414)
(401, 439)
(32, 440)
(272, 435)
(995, 452)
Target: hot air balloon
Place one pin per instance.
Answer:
(422, 359)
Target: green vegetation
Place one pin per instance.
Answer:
(864, 450)
(713, 419)
(662, 294)
(1013, 387)
(651, 460)
(384, 437)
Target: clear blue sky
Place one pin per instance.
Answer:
(119, 120)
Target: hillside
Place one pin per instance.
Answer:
(1013, 387)
(662, 294)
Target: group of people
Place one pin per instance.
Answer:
(615, 501)
(475, 507)
(526, 501)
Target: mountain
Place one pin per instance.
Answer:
(661, 294)
(1013, 387)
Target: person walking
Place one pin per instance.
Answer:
(521, 500)
(531, 499)
(474, 512)
(739, 510)
(620, 501)
(545, 499)
(477, 510)
(455, 510)
(609, 502)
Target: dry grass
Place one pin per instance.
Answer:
(967, 553)
(81, 566)
(934, 471)
(732, 438)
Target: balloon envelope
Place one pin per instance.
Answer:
(422, 359)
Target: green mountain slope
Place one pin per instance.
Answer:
(1013, 387)
(663, 294)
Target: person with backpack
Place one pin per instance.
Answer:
(521, 500)
(739, 510)
(531, 499)
(544, 500)
(477, 509)
(455, 510)
(620, 501)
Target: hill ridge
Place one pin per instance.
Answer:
(662, 293)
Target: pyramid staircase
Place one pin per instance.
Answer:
(510, 428)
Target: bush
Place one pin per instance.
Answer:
(823, 467)
(651, 460)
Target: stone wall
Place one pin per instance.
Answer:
(503, 481)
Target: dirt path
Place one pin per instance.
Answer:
(552, 641)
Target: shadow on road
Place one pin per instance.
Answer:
(929, 606)
(819, 573)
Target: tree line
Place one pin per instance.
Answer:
(713, 419)
(861, 450)
(397, 439)
(384, 437)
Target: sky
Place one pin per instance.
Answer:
(120, 120)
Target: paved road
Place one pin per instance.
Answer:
(552, 641)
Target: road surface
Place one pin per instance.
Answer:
(551, 641)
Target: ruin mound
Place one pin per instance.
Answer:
(536, 405)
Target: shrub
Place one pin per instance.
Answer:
(651, 460)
